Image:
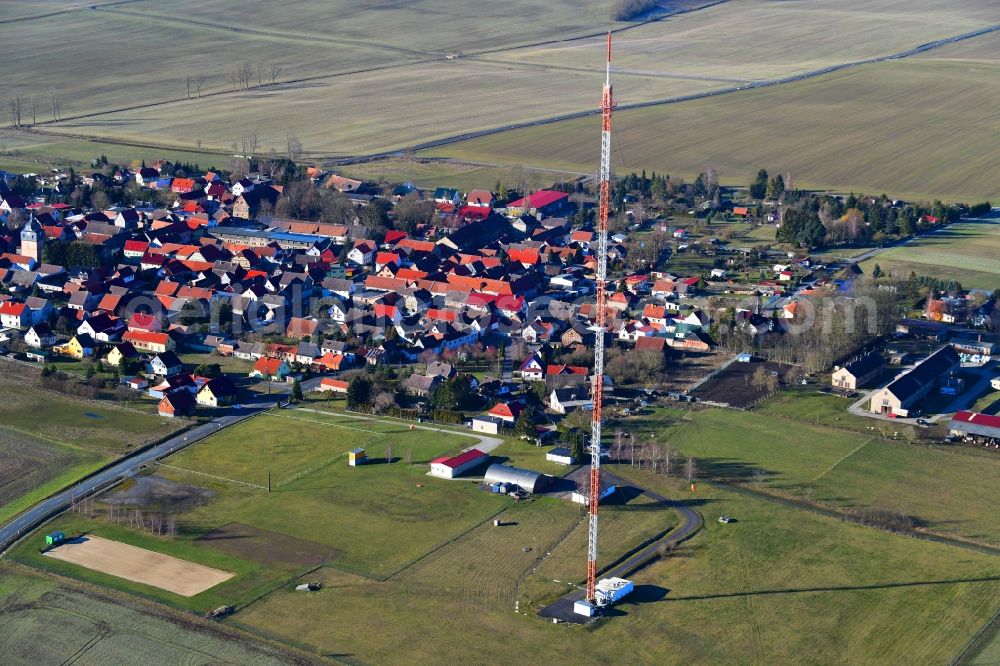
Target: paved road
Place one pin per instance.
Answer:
(30, 519)
(691, 523)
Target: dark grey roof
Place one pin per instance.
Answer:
(926, 372)
(865, 365)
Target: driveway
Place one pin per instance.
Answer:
(562, 609)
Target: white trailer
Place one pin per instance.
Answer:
(612, 590)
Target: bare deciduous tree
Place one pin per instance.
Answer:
(260, 75)
(188, 82)
(15, 107)
(246, 71)
(691, 470)
(34, 110)
(234, 77)
(249, 143)
(199, 81)
(275, 70)
(56, 108)
(294, 148)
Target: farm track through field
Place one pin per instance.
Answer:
(299, 39)
(423, 58)
(840, 460)
(65, 10)
(923, 48)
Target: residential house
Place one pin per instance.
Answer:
(177, 403)
(153, 343)
(79, 347)
(122, 353)
(331, 385)
(507, 411)
(166, 364)
(270, 368)
(564, 400)
(216, 392)
(40, 336)
(533, 368)
(15, 314)
(421, 385)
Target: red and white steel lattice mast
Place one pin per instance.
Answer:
(603, 210)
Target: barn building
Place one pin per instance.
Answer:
(450, 467)
(975, 427)
(526, 479)
(859, 372)
(910, 387)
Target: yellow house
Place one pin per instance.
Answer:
(121, 353)
(79, 347)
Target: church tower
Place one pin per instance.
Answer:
(32, 239)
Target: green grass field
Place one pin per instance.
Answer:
(76, 422)
(780, 585)
(372, 520)
(967, 252)
(44, 621)
(49, 440)
(946, 490)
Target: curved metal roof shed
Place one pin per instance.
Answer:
(526, 479)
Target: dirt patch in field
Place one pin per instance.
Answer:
(735, 387)
(159, 493)
(687, 368)
(139, 565)
(267, 548)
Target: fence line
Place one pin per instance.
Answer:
(212, 476)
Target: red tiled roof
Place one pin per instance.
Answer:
(977, 418)
(459, 460)
(540, 199)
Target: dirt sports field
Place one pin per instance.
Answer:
(140, 565)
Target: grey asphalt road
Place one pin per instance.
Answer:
(562, 609)
(39, 513)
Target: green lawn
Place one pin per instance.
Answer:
(778, 586)
(966, 252)
(374, 519)
(945, 489)
(100, 427)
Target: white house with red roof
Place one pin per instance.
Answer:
(449, 467)
(15, 314)
(507, 411)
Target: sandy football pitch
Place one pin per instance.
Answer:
(139, 565)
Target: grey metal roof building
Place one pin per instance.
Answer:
(525, 479)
